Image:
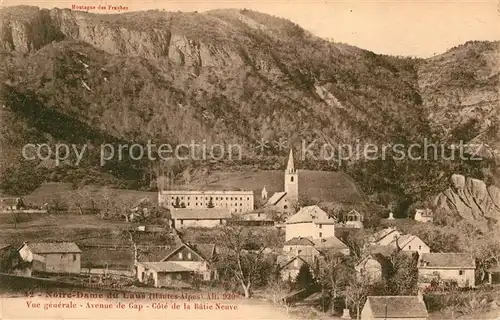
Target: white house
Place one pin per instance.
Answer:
(394, 308)
(409, 242)
(311, 222)
(205, 218)
(447, 267)
(385, 237)
(424, 215)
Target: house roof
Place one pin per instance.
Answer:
(285, 259)
(310, 214)
(400, 307)
(329, 243)
(299, 241)
(152, 253)
(200, 214)
(403, 240)
(383, 250)
(53, 247)
(275, 198)
(166, 266)
(204, 251)
(447, 261)
(377, 236)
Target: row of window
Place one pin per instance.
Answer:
(216, 198)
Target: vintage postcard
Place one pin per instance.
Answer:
(249, 159)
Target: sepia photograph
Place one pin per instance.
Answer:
(265, 159)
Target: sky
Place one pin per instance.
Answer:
(419, 28)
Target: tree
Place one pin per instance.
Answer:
(243, 258)
(210, 203)
(403, 277)
(355, 295)
(334, 275)
(304, 278)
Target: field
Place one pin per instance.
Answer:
(103, 242)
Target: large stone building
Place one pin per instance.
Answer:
(285, 201)
(234, 201)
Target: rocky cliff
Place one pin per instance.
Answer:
(471, 199)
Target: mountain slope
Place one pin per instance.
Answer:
(224, 77)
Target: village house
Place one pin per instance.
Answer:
(205, 218)
(352, 219)
(384, 237)
(284, 201)
(330, 245)
(394, 308)
(424, 215)
(409, 242)
(456, 268)
(51, 257)
(187, 262)
(299, 245)
(164, 274)
(311, 222)
(290, 264)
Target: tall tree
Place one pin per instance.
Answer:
(334, 275)
(242, 258)
(304, 278)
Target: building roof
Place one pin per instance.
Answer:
(403, 240)
(204, 251)
(447, 261)
(329, 243)
(275, 198)
(400, 307)
(299, 241)
(310, 214)
(53, 247)
(165, 266)
(286, 259)
(290, 167)
(386, 251)
(200, 214)
(377, 236)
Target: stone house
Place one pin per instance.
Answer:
(51, 257)
(456, 268)
(370, 269)
(394, 308)
(310, 221)
(204, 218)
(424, 215)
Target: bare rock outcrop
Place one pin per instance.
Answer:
(471, 199)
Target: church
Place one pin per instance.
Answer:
(285, 201)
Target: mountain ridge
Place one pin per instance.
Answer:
(236, 76)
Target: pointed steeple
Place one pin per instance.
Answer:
(290, 167)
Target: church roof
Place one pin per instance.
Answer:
(290, 167)
(275, 198)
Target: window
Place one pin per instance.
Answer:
(409, 247)
(460, 272)
(196, 198)
(189, 255)
(320, 226)
(182, 221)
(241, 198)
(419, 247)
(285, 207)
(189, 198)
(231, 198)
(291, 179)
(220, 220)
(320, 234)
(74, 257)
(180, 255)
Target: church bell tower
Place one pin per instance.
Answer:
(291, 179)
